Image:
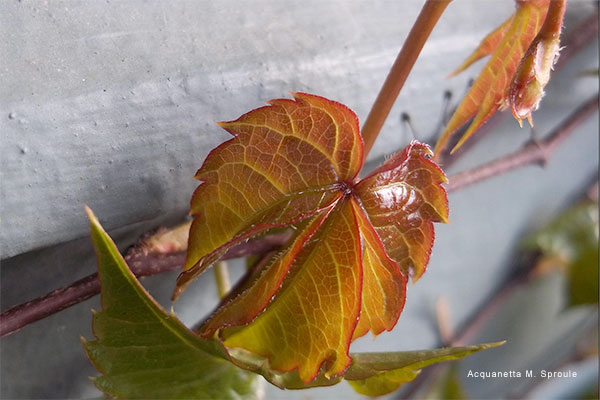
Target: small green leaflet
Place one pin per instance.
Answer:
(376, 374)
(144, 352)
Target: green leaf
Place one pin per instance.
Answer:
(376, 374)
(384, 383)
(572, 239)
(144, 352)
(372, 374)
(583, 279)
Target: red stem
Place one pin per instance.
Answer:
(141, 264)
(554, 19)
(426, 21)
(532, 153)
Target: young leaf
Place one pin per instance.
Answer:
(327, 268)
(339, 276)
(284, 164)
(376, 374)
(489, 91)
(253, 294)
(143, 352)
(168, 240)
(384, 285)
(532, 76)
(486, 47)
(402, 198)
(372, 374)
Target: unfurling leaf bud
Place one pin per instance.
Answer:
(527, 88)
(532, 76)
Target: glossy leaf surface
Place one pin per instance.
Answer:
(144, 352)
(489, 91)
(344, 271)
(253, 294)
(403, 198)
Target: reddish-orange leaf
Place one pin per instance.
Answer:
(338, 277)
(253, 294)
(281, 167)
(384, 285)
(486, 47)
(489, 91)
(312, 318)
(402, 198)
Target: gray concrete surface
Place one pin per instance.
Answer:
(112, 105)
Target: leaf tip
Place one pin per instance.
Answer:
(445, 219)
(530, 120)
(465, 137)
(456, 72)
(186, 277)
(91, 215)
(177, 292)
(227, 125)
(519, 120)
(304, 96)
